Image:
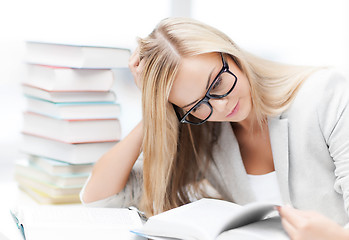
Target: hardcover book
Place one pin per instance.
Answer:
(51, 78)
(72, 131)
(49, 189)
(69, 96)
(54, 167)
(44, 198)
(24, 168)
(211, 219)
(80, 153)
(76, 56)
(95, 110)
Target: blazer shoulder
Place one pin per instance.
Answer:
(326, 80)
(320, 91)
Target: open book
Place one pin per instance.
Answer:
(76, 222)
(210, 219)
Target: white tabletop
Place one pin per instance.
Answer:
(12, 196)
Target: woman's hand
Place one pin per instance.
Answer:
(301, 225)
(136, 65)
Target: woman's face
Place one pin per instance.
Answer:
(196, 74)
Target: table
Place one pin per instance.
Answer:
(10, 197)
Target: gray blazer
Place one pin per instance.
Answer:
(310, 146)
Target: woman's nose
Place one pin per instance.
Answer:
(219, 105)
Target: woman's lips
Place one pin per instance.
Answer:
(235, 110)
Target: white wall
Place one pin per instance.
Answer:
(313, 32)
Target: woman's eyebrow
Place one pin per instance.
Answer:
(207, 85)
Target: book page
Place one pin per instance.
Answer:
(267, 229)
(78, 216)
(203, 219)
(249, 213)
(3, 237)
(57, 222)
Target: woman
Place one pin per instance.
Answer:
(216, 116)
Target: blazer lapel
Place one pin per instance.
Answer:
(278, 131)
(232, 172)
(231, 168)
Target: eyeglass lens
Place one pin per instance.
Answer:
(223, 85)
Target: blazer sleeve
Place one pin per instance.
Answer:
(333, 114)
(129, 196)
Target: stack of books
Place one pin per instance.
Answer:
(71, 117)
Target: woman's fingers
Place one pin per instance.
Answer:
(291, 231)
(134, 62)
(136, 65)
(294, 221)
(294, 217)
(309, 225)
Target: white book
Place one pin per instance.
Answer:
(80, 153)
(211, 219)
(72, 131)
(25, 168)
(69, 96)
(76, 56)
(49, 189)
(52, 78)
(71, 111)
(76, 222)
(55, 167)
(44, 198)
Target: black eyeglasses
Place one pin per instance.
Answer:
(221, 86)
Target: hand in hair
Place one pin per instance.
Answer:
(135, 65)
(310, 225)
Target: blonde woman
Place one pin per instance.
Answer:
(215, 116)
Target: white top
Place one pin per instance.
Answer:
(266, 188)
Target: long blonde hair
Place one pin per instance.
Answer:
(176, 155)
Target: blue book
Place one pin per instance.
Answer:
(74, 110)
(24, 168)
(56, 167)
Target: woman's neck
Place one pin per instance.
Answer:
(249, 125)
(255, 147)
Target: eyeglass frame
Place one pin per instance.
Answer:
(208, 96)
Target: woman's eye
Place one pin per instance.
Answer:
(196, 109)
(217, 83)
